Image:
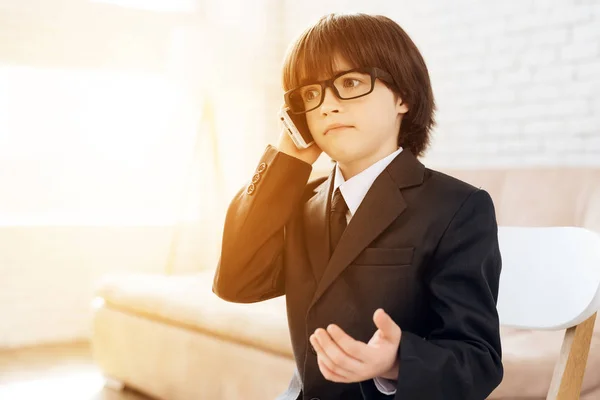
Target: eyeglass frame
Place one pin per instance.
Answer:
(374, 72)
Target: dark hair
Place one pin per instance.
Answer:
(368, 41)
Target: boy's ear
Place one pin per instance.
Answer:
(401, 106)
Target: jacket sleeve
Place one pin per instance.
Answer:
(460, 358)
(251, 260)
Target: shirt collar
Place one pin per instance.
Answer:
(355, 189)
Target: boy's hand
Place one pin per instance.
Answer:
(344, 359)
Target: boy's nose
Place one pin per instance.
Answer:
(330, 103)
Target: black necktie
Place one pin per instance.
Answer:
(337, 219)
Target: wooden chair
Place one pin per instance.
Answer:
(550, 280)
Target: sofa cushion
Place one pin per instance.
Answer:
(188, 301)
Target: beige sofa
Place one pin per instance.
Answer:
(172, 338)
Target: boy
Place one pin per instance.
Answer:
(381, 239)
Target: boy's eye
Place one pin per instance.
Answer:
(351, 82)
(310, 94)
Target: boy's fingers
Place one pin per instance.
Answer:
(354, 348)
(389, 329)
(324, 351)
(328, 373)
(338, 357)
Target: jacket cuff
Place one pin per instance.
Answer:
(385, 386)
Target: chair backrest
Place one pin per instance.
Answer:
(550, 276)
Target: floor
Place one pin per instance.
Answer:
(63, 371)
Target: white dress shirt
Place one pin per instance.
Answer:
(353, 191)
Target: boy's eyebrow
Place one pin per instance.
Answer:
(311, 80)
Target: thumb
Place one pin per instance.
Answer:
(389, 329)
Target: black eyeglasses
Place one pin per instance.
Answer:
(346, 85)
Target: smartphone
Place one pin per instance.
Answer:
(297, 128)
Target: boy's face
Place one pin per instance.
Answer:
(374, 122)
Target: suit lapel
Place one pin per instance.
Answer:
(382, 204)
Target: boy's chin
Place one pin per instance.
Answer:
(344, 156)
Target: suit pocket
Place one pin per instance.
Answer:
(379, 278)
(385, 256)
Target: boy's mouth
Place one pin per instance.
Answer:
(335, 127)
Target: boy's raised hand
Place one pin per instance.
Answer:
(341, 358)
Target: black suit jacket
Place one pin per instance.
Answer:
(422, 245)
